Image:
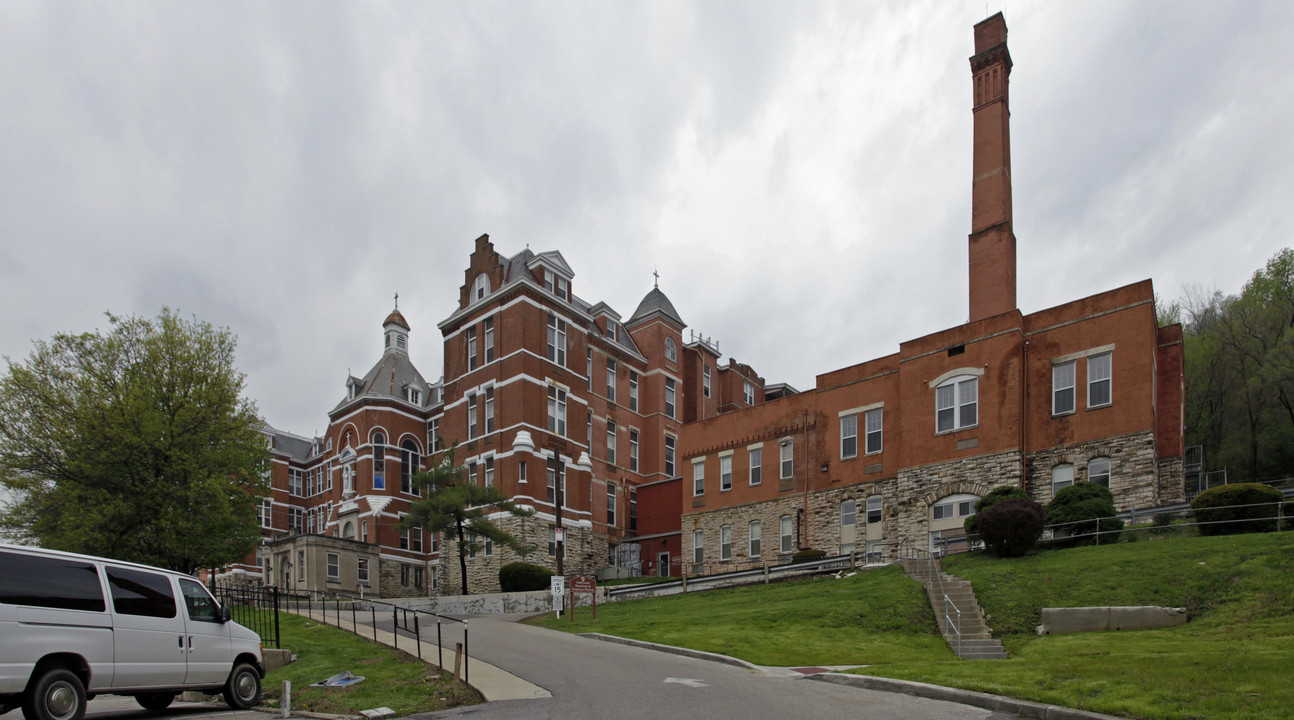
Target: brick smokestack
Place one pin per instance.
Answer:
(992, 239)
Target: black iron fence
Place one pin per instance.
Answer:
(255, 607)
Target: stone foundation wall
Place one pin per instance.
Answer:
(1134, 479)
(1172, 480)
(769, 513)
(585, 553)
(907, 505)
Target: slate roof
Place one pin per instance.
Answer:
(388, 379)
(655, 304)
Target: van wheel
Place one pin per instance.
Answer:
(155, 701)
(57, 694)
(243, 690)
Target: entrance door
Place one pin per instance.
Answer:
(662, 564)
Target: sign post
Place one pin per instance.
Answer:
(559, 589)
(584, 584)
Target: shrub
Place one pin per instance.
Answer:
(995, 496)
(1218, 506)
(808, 555)
(1162, 523)
(522, 577)
(1079, 502)
(1011, 527)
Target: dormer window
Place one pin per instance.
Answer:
(612, 329)
(329, 445)
(550, 281)
(414, 395)
(562, 289)
(481, 287)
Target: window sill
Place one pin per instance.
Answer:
(873, 452)
(844, 458)
(1055, 415)
(956, 430)
(1100, 407)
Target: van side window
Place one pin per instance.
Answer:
(200, 605)
(135, 592)
(50, 582)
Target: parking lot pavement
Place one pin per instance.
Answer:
(116, 707)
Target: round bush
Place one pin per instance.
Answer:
(523, 577)
(808, 555)
(1217, 508)
(994, 496)
(1079, 502)
(1011, 527)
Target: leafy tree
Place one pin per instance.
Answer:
(994, 496)
(452, 499)
(1085, 501)
(1011, 527)
(134, 443)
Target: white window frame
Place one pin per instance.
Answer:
(361, 570)
(756, 459)
(848, 513)
(875, 509)
(1062, 476)
(611, 379)
(633, 449)
(671, 350)
(786, 458)
(849, 436)
(1064, 396)
(471, 348)
(670, 455)
(489, 471)
(754, 533)
(480, 287)
(725, 542)
(748, 393)
(786, 534)
(725, 472)
(1100, 370)
(698, 477)
(489, 409)
(1098, 468)
(489, 340)
(556, 340)
(874, 426)
(952, 396)
(698, 546)
(556, 410)
(611, 504)
(706, 381)
(333, 567)
(472, 427)
(671, 398)
(633, 390)
(611, 442)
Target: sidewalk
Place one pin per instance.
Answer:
(492, 682)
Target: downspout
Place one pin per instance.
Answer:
(1024, 415)
(808, 475)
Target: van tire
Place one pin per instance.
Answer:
(155, 701)
(243, 690)
(57, 694)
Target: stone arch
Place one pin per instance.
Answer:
(954, 488)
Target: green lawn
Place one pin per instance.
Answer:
(393, 678)
(873, 617)
(1233, 660)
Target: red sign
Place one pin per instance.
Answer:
(583, 583)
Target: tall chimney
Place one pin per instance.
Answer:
(992, 240)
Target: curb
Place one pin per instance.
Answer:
(686, 652)
(996, 703)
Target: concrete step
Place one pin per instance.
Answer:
(999, 655)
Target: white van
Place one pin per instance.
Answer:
(75, 626)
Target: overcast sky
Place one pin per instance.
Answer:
(799, 172)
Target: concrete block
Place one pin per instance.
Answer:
(275, 659)
(1056, 621)
(378, 713)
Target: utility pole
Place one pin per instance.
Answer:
(558, 469)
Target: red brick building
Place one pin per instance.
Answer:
(899, 448)
(670, 456)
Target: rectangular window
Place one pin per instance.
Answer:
(725, 542)
(725, 473)
(848, 513)
(473, 545)
(296, 519)
(669, 455)
(489, 339)
(1062, 476)
(874, 505)
(1098, 471)
(788, 460)
(957, 404)
(611, 380)
(787, 539)
(561, 288)
(489, 471)
(1062, 388)
(556, 410)
(135, 592)
(361, 570)
(379, 462)
(556, 340)
(489, 409)
(521, 471)
(295, 482)
(471, 417)
(706, 381)
(471, 473)
(698, 478)
(756, 466)
(633, 450)
(633, 391)
(471, 348)
(433, 435)
(264, 513)
(551, 497)
(755, 531)
(415, 537)
(489, 546)
(698, 546)
(943, 512)
(873, 420)
(301, 566)
(550, 279)
(611, 443)
(51, 582)
(748, 393)
(363, 530)
(669, 397)
(633, 510)
(611, 504)
(334, 565)
(404, 539)
(848, 437)
(588, 368)
(1098, 380)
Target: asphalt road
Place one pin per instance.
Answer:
(116, 707)
(594, 679)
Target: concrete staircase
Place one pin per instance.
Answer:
(976, 640)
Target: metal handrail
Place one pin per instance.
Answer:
(948, 621)
(908, 550)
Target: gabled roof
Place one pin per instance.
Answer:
(388, 379)
(656, 305)
(554, 260)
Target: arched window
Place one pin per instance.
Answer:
(379, 461)
(409, 460)
(671, 350)
(481, 287)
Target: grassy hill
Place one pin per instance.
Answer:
(1233, 660)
